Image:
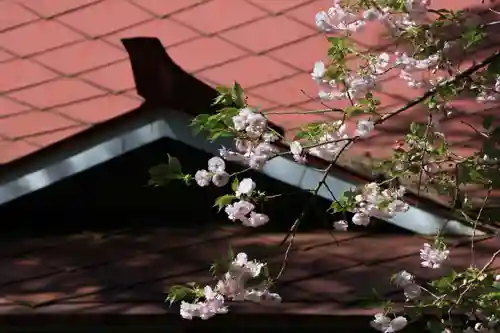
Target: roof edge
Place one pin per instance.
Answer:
(167, 111)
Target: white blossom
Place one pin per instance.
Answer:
(202, 178)
(239, 211)
(297, 152)
(364, 127)
(376, 202)
(403, 278)
(216, 164)
(412, 291)
(220, 178)
(245, 187)
(340, 225)
(319, 71)
(256, 220)
(213, 304)
(433, 257)
(361, 219)
(337, 18)
(384, 324)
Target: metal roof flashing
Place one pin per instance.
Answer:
(175, 125)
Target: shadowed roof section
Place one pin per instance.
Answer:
(127, 272)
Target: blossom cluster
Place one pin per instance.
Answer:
(243, 210)
(373, 201)
(332, 142)
(253, 143)
(355, 85)
(484, 323)
(406, 281)
(433, 256)
(385, 324)
(216, 173)
(253, 147)
(233, 286)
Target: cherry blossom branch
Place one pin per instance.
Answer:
(471, 283)
(304, 112)
(469, 71)
(478, 217)
(297, 222)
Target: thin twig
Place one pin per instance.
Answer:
(471, 283)
(303, 112)
(475, 129)
(478, 217)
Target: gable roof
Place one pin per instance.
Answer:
(72, 79)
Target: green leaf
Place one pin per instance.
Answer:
(159, 175)
(178, 293)
(229, 111)
(225, 96)
(475, 175)
(235, 184)
(441, 148)
(300, 135)
(222, 89)
(353, 111)
(238, 96)
(174, 165)
(223, 201)
(199, 122)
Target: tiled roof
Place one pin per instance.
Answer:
(128, 271)
(64, 69)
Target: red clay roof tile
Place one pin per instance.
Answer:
(260, 70)
(12, 15)
(49, 8)
(104, 17)
(268, 33)
(293, 54)
(9, 107)
(11, 150)
(234, 13)
(55, 93)
(215, 51)
(167, 31)
(5, 56)
(261, 103)
(37, 37)
(306, 11)
(20, 73)
(269, 45)
(160, 7)
(116, 77)
(44, 140)
(288, 91)
(91, 111)
(81, 56)
(277, 6)
(32, 123)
